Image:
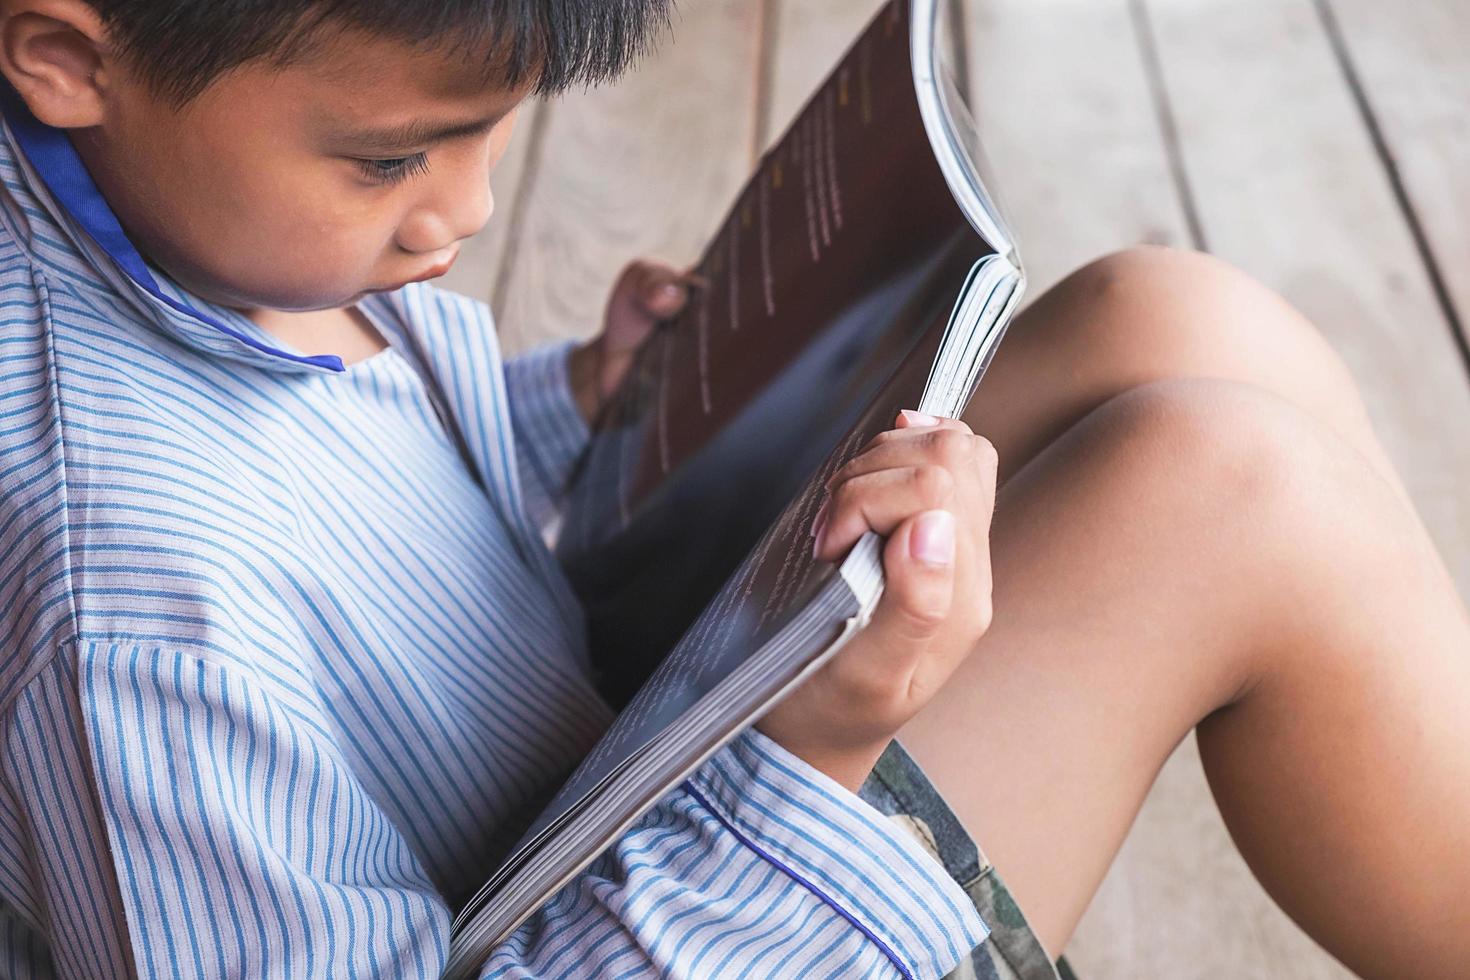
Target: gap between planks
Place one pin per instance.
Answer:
(1353, 77)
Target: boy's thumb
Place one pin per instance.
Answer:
(918, 571)
(663, 296)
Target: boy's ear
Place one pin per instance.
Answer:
(56, 54)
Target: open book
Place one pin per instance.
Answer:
(863, 269)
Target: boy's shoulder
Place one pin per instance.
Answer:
(30, 445)
(105, 472)
(23, 293)
(34, 599)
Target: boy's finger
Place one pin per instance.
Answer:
(662, 290)
(625, 314)
(952, 447)
(630, 315)
(879, 502)
(910, 418)
(662, 298)
(908, 424)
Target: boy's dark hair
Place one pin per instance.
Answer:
(179, 46)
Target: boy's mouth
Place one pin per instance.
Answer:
(432, 272)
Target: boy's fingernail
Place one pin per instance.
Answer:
(932, 540)
(820, 520)
(919, 418)
(668, 293)
(817, 543)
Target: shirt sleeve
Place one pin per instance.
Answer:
(245, 846)
(758, 866)
(550, 431)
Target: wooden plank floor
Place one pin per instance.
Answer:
(1324, 145)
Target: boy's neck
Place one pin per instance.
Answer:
(346, 331)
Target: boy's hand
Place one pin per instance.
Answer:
(929, 486)
(646, 292)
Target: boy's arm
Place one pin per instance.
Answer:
(241, 837)
(759, 866)
(245, 842)
(550, 430)
(763, 812)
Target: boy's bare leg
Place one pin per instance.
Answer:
(1208, 552)
(1151, 314)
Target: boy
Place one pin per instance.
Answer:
(286, 662)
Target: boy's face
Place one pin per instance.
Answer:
(271, 189)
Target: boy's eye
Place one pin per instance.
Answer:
(394, 170)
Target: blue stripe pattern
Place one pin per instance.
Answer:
(286, 663)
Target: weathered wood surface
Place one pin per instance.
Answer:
(1412, 68)
(1228, 123)
(1061, 94)
(644, 168)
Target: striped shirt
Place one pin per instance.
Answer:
(286, 664)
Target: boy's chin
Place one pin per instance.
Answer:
(302, 298)
(294, 305)
(286, 301)
(249, 303)
(321, 303)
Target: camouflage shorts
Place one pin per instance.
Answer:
(899, 789)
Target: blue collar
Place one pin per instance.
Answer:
(50, 152)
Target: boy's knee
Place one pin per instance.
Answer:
(1240, 467)
(1176, 301)
(1129, 273)
(1152, 312)
(1224, 447)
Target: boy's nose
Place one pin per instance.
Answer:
(430, 230)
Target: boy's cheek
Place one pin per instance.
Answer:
(248, 238)
(300, 272)
(299, 258)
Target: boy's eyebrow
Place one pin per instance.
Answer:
(418, 133)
